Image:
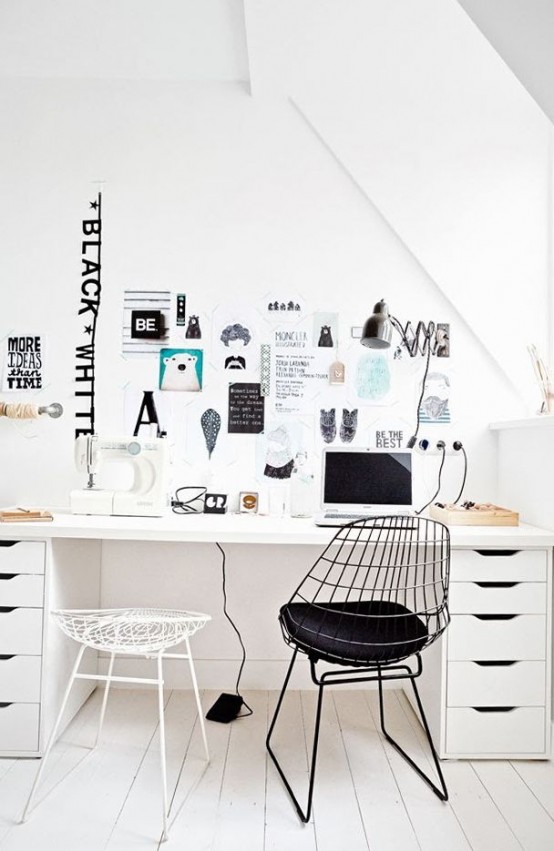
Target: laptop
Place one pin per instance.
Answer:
(359, 483)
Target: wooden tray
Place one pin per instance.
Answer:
(24, 516)
(481, 514)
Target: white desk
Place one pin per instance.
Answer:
(245, 529)
(60, 564)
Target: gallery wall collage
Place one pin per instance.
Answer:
(241, 383)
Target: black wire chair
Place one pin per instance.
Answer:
(377, 595)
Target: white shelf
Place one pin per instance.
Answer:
(539, 421)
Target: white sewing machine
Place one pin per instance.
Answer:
(148, 494)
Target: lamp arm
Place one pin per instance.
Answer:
(418, 341)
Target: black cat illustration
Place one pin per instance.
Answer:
(325, 337)
(348, 425)
(193, 331)
(328, 425)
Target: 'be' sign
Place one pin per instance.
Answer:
(147, 324)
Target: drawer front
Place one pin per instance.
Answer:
(517, 731)
(21, 631)
(19, 727)
(22, 556)
(476, 638)
(498, 565)
(497, 597)
(512, 684)
(21, 589)
(20, 678)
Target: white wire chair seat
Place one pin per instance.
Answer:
(129, 630)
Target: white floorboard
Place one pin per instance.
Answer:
(366, 797)
(480, 819)
(435, 822)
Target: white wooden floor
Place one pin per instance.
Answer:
(366, 796)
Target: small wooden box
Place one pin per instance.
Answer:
(481, 514)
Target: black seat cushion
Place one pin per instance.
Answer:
(354, 633)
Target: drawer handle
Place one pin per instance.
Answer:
(493, 663)
(5, 610)
(497, 552)
(8, 543)
(493, 708)
(495, 617)
(5, 656)
(7, 576)
(497, 584)
(4, 705)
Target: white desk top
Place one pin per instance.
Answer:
(245, 529)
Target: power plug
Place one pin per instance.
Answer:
(430, 446)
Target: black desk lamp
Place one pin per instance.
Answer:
(377, 334)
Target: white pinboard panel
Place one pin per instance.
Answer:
(439, 134)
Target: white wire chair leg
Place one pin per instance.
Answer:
(53, 734)
(105, 699)
(197, 698)
(162, 746)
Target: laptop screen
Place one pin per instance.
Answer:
(367, 478)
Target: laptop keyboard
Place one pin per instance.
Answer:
(332, 515)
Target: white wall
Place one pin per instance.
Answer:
(123, 39)
(439, 134)
(526, 469)
(522, 31)
(205, 191)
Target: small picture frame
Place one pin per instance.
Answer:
(248, 502)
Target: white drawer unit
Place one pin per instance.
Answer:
(496, 683)
(20, 679)
(499, 565)
(19, 727)
(35, 657)
(22, 577)
(485, 597)
(22, 556)
(487, 683)
(21, 630)
(496, 731)
(497, 636)
(22, 589)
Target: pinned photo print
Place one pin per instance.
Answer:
(181, 369)
(236, 338)
(435, 407)
(325, 330)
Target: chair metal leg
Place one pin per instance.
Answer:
(441, 793)
(304, 816)
(197, 698)
(163, 767)
(53, 734)
(105, 698)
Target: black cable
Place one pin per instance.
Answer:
(181, 506)
(438, 482)
(227, 615)
(412, 441)
(458, 498)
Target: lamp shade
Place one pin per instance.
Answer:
(377, 332)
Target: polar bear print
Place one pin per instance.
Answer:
(180, 372)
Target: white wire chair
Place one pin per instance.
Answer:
(130, 631)
(143, 632)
